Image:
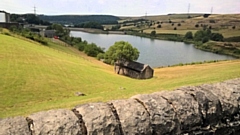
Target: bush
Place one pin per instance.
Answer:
(159, 26)
(6, 33)
(203, 35)
(100, 56)
(92, 50)
(175, 28)
(153, 33)
(117, 27)
(179, 24)
(206, 15)
(216, 37)
(189, 35)
(205, 39)
(40, 40)
(212, 21)
(81, 46)
(234, 27)
(198, 36)
(196, 25)
(237, 51)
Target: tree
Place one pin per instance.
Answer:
(100, 56)
(60, 31)
(92, 50)
(189, 35)
(206, 15)
(199, 35)
(217, 37)
(91, 24)
(205, 35)
(121, 51)
(208, 32)
(117, 27)
(153, 33)
(159, 26)
(205, 39)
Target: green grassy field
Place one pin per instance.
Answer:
(34, 77)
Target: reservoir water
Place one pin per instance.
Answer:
(156, 53)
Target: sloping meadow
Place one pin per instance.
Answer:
(34, 78)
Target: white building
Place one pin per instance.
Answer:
(4, 17)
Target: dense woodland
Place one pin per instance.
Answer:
(77, 19)
(28, 18)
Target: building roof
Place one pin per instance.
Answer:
(50, 31)
(3, 12)
(133, 65)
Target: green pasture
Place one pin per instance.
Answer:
(35, 77)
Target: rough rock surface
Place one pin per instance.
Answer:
(133, 117)
(186, 108)
(200, 110)
(163, 118)
(99, 119)
(55, 122)
(228, 93)
(14, 126)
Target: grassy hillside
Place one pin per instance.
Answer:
(222, 23)
(34, 77)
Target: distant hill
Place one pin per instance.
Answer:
(79, 19)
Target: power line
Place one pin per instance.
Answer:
(35, 11)
(146, 15)
(189, 8)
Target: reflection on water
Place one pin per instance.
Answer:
(156, 53)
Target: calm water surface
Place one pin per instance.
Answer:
(156, 53)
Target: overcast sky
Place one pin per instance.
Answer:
(120, 7)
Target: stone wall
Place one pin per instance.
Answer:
(210, 109)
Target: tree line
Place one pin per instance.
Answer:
(28, 18)
(78, 19)
(204, 36)
(94, 25)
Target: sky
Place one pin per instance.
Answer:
(119, 7)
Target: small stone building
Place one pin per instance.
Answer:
(134, 70)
